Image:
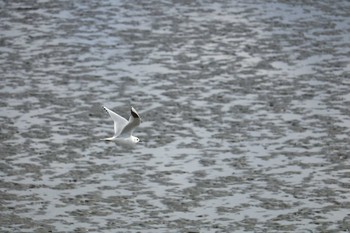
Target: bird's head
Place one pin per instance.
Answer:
(135, 139)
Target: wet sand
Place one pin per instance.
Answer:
(245, 107)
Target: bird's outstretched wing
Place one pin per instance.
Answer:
(119, 122)
(134, 121)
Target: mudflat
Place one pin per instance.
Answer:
(245, 108)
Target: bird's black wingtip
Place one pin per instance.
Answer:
(134, 113)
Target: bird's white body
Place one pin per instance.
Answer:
(131, 139)
(123, 129)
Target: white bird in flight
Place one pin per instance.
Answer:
(123, 129)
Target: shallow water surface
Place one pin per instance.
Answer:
(245, 107)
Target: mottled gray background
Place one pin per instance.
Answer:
(245, 103)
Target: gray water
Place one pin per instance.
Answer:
(245, 107)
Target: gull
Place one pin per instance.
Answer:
(123, 129)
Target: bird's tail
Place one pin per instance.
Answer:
(108, 139)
